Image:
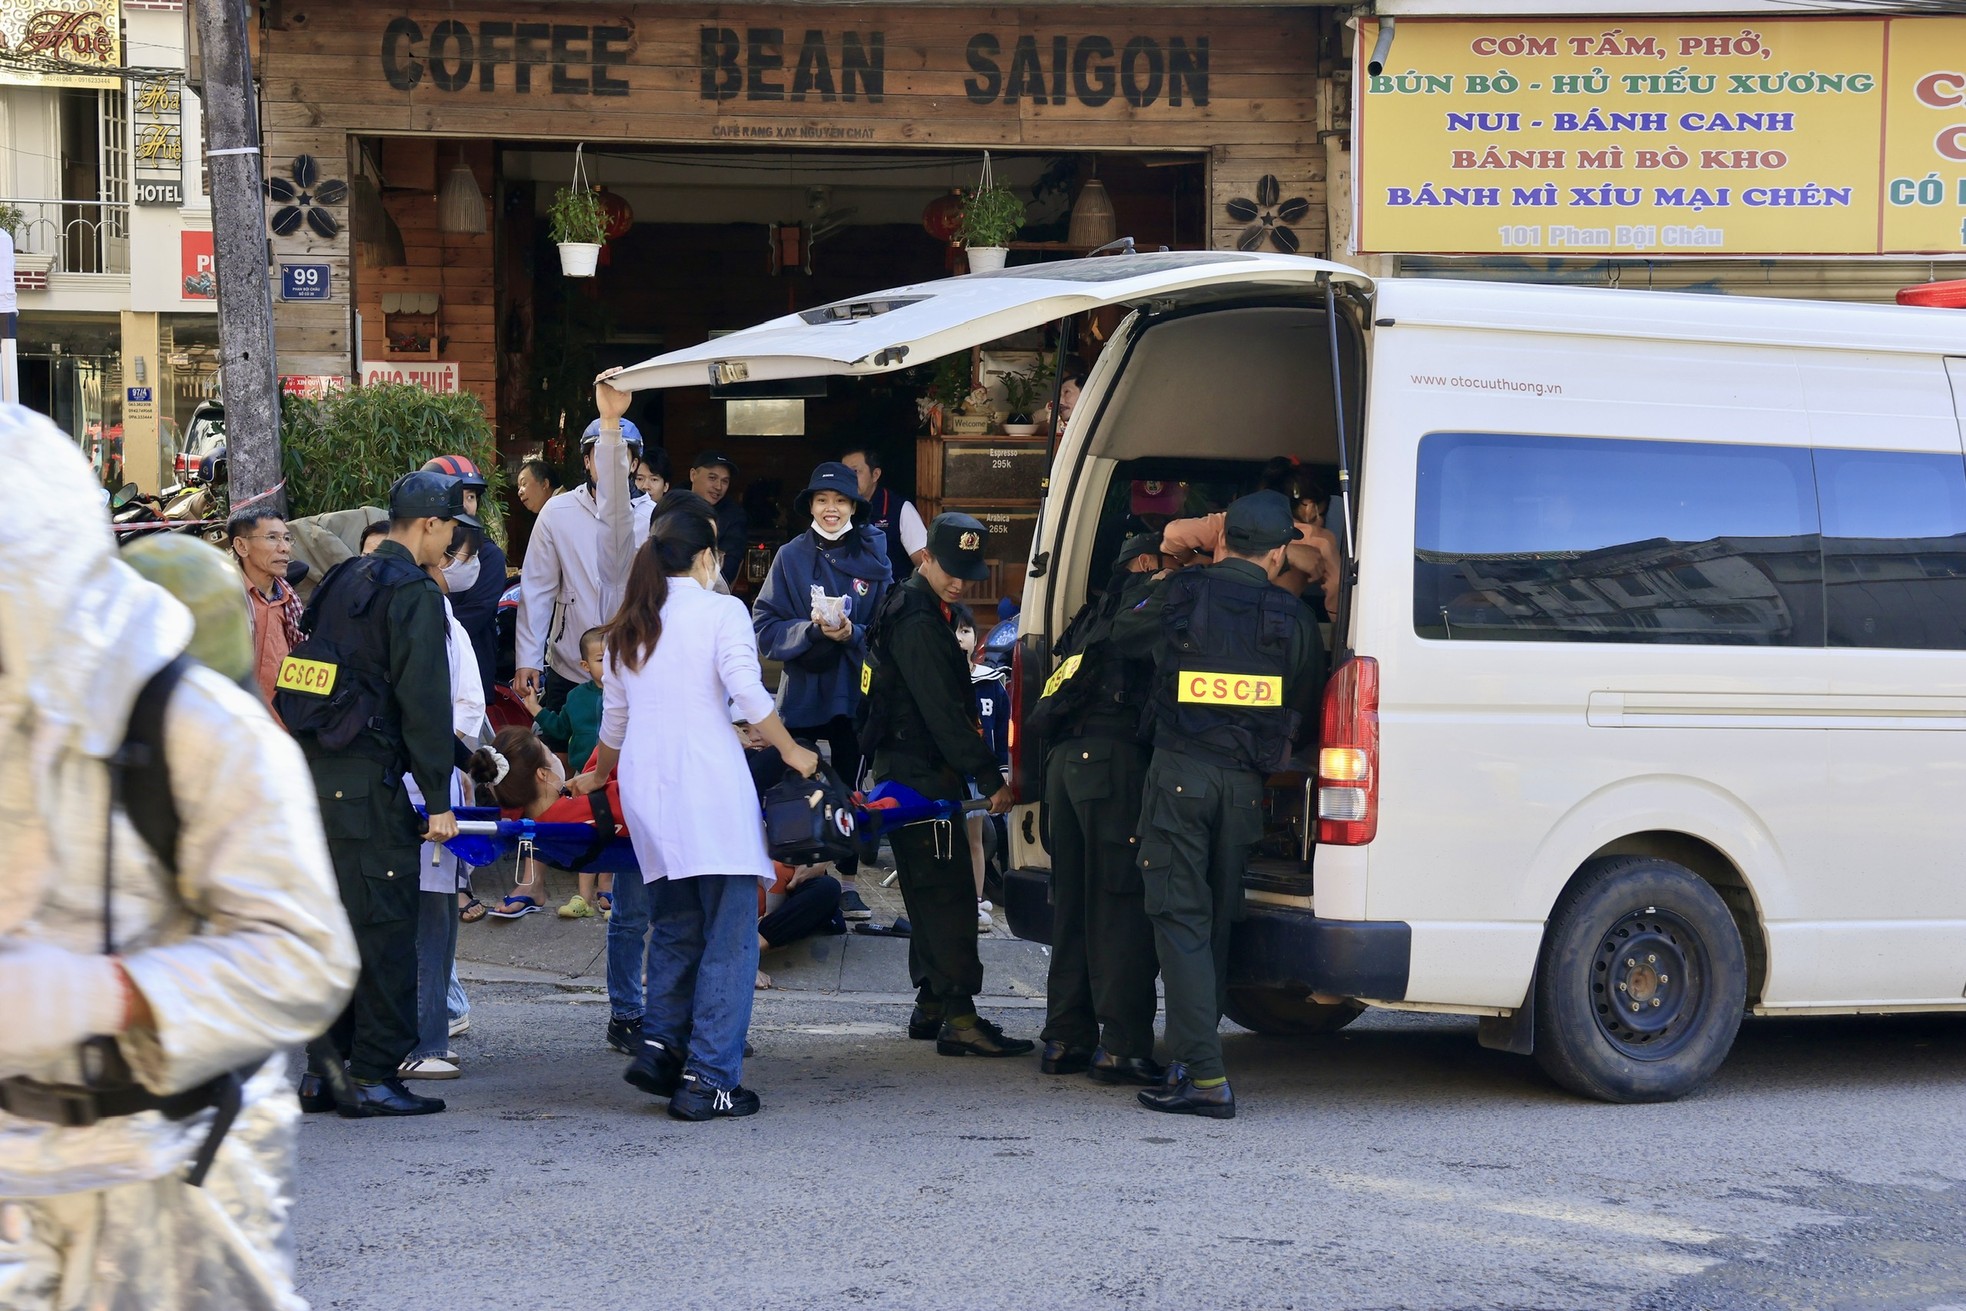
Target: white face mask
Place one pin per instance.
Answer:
(836, 534)
(461, 575)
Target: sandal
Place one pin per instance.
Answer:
(512, 908)
(604, 902)
(472, 911)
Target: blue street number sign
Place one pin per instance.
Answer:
(303, 282)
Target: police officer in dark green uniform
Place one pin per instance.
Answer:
(921, 730)
(368, 694)
(1102, 948)
(1240, 669)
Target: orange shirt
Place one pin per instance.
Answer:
(1207, 536)
(270, 645)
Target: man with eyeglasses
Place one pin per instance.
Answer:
(262, 546)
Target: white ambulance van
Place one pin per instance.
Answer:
(1648, 703)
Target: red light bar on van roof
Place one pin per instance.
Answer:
(1936, 295)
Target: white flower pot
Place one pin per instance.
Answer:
(987, 259)
(578, 258)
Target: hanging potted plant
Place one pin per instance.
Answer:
(580, 223)
(991, 217)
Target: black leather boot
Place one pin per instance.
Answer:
(1064, 1058)
(1181, 1097)
(1143, 1070)
(389, 1097)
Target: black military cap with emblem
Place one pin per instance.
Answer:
(423, 495)
(956, 542)
(1259, 522)
(1136, 546)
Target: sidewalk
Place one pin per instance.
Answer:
(544, 947)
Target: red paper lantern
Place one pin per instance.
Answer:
(621, 216)
(943, 216)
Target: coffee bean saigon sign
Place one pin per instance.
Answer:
(1832, 136)
(775, 64)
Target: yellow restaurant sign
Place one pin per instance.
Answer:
(60, 42)
(1812, 136)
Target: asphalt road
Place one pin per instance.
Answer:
(1395, 1166)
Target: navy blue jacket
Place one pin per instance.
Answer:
(477, 611)
(993, 710)
(822, 677)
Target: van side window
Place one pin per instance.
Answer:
(1572, 539)
(1894, 549)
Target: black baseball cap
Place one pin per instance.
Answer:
(423, 495)
(1259, 522)
(1136, 546)
(705, 459)
(956, 541)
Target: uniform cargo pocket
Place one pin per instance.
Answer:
(1242, 819)
(1164, 893)
(1120, 875)
(390, 889)
(345, 790)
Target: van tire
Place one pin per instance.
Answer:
(1287, 1012)
(1686, 974)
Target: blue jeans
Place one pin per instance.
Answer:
(628, 930)
(456, 1004)
(703, 970)
(436, 954)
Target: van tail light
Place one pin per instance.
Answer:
(1348, 756)
(178, 463)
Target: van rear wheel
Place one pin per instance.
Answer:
(1287, 1012)
(1642, 982)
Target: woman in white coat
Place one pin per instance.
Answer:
(682, 665)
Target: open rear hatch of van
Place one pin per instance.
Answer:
(905, 326)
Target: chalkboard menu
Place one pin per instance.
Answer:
(994, 470)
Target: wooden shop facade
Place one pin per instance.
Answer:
(757, 160)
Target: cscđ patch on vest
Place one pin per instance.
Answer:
(314, 677)
(866, 678)
(1062, 675)
(1200, 688)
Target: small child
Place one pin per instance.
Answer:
(578, 724)
(993, 713)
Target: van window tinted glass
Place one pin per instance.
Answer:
(1894, 548)
(1590, 540)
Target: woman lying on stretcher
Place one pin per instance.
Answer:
(534, 787)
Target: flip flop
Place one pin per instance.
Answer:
(472, 911)
(525, 906)
(899, 929)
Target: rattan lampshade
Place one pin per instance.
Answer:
(461, 206)
(1093, 220)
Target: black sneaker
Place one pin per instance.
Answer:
(852, 907)
(697, 1100)
(979, 1039)
(625, 1036)
(657, 1070)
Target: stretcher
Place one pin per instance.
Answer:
(485, 838)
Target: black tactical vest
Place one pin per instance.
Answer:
(889, 718)
(334, 685)
(1093, 691)
(1219, 693)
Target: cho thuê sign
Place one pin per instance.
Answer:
(61, 42)
(1820, 136)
